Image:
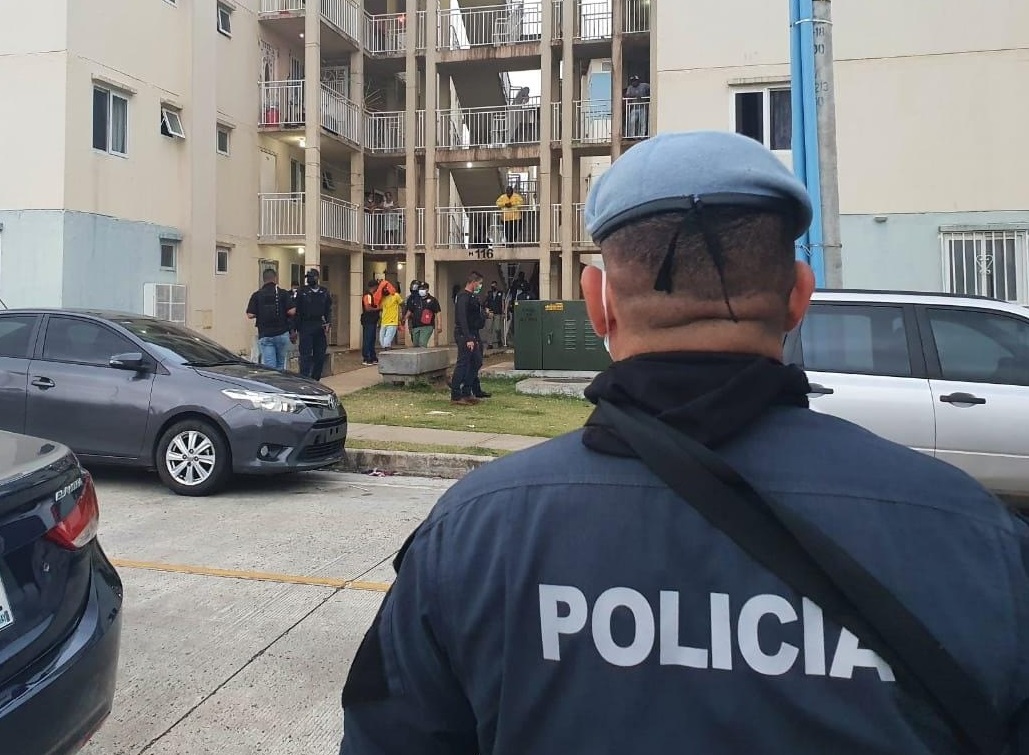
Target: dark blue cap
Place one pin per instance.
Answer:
(679, 171)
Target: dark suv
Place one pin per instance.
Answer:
(60, 602)
(128, 389)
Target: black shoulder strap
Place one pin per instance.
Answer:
(815, 566)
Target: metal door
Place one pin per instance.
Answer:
(569, 342)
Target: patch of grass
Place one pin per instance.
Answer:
(506, 412)
(424, 448)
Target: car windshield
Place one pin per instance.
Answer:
(178, 344)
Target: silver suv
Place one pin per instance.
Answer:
(946, 375)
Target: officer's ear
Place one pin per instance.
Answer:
(592, 281)
(800, 296)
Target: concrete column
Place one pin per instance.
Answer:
(410, 139)
(312, 133)
(569, 93)
(197, 251)
(651, 52)
(357, 199)
(618, 77)
(431, 130)
(546, 197)
(357, 283)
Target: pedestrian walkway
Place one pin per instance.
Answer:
(353, 381)
(428, 437)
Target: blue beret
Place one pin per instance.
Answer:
(670, 172)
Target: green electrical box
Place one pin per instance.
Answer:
(556, 335)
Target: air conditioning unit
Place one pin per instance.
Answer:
(165, 301)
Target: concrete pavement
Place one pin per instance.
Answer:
(243, 611)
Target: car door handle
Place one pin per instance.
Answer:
(44, 383)
(820, 390)
(962, 398)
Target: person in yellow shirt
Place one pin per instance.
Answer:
(390, 322)
(510, 204)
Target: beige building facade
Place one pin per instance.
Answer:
(932, 105)
(173, 149)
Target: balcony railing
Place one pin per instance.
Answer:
(594, 21)
(637, 16)
(345, 15)
(489, 127)
(580, 237)
(341, 117)
(591, 121)
(419, 237)
(385, 34)
(282, 104)
(485, 227)
(637, 117)
(385, 229)
(384, 132)
(557, 20)
(419, 129)
(421, 19)
(493, 25)
(282, 217)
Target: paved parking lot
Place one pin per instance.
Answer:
(238, 629)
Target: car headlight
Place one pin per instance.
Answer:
(270, 402)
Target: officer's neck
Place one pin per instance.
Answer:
(708, 336)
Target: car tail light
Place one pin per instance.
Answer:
(80, 526)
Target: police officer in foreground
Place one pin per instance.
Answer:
(313, 318)
(567, 600)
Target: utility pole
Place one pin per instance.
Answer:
(825, 109)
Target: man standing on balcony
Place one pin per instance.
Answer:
(510, 204)
(637, 107)
(314, 314)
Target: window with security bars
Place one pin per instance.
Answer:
(987, 263)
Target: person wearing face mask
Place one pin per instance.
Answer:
(468, 321)
(421, 314)
(709, 565)
(313, 319)
(495, 316)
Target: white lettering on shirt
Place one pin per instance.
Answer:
(565, 612)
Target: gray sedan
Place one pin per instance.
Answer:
(133, 390)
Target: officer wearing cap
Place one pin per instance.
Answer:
(564, 600)
(313, 319)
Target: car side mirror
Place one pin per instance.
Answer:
(130, 361)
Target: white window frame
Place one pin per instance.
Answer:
(219, 250)
(174, 246)
(112, 94)
(171, 123)
(766, 109)
(225, 19)
(979, 237)
(227, 130)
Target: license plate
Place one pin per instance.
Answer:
(6, 615)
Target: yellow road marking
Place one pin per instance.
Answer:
(258, 576)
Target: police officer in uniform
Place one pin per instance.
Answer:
(565, 600)
(313, 317)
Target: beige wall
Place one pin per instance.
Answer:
(929, 111)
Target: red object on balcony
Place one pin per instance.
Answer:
(271, 116)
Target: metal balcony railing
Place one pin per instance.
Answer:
(339, 220)
(419, 129)
(489, 127)
(637, 16)
(282, 217)
(557, 20)
(419, 238)
(385, 229)
(282, 104)
(344, 15)
(591, 121)
(594, 21)
(421, 19)
(637, 117)
(341, 117)
(385, 34)
(486, 227)
(384, 132)
(488, 26)
(580, 237)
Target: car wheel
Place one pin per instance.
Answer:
(193, 458)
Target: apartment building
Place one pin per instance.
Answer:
(932, 109)
(170, 150)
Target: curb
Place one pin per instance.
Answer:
(412, 464)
